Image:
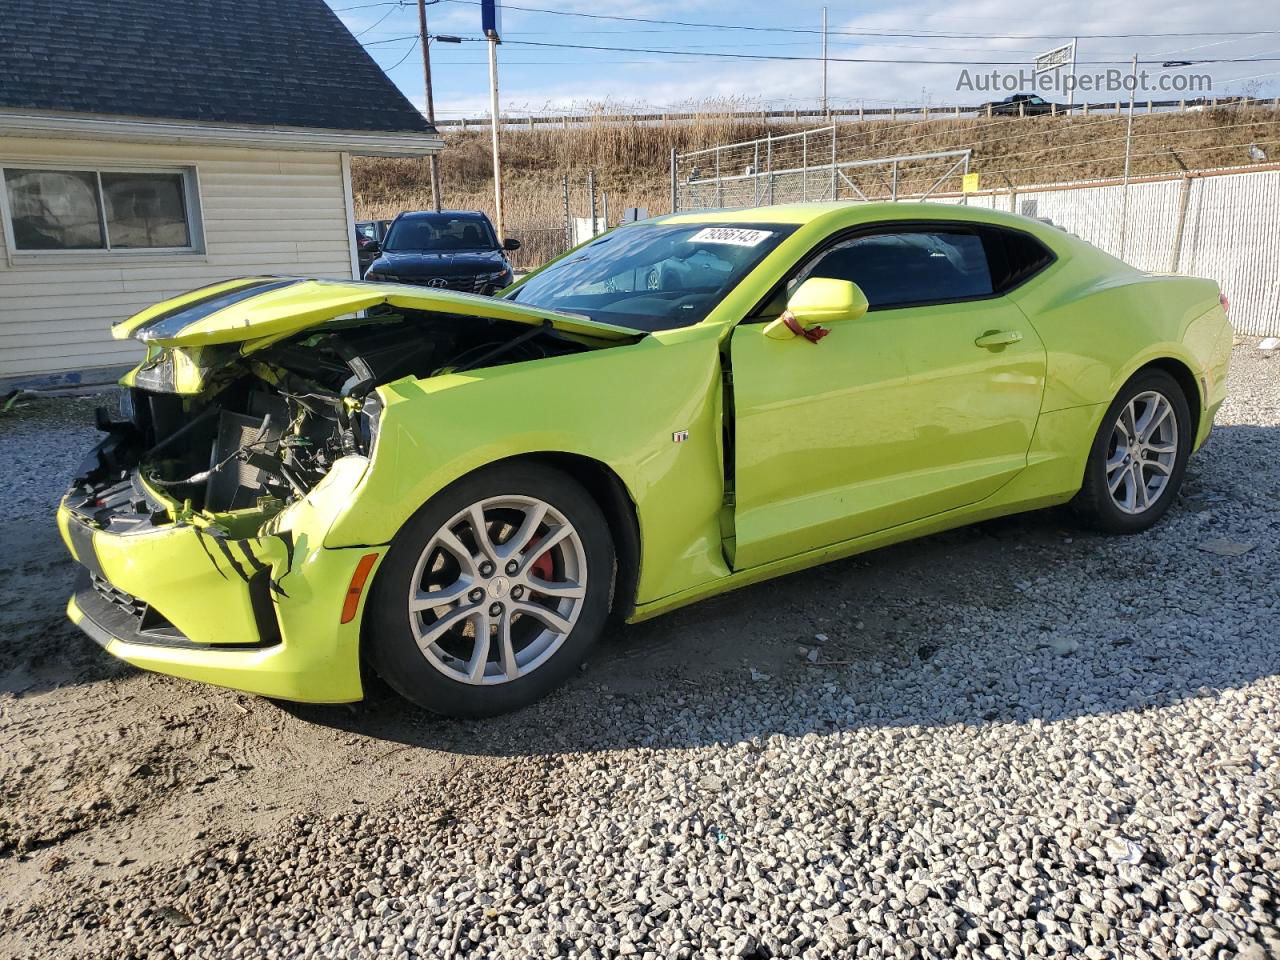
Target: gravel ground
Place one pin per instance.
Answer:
(1014, 740)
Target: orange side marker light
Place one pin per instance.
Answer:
(352, 602)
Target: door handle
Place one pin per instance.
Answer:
(998, 338)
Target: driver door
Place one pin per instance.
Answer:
(892, 417)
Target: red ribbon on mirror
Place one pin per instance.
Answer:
(813, 334)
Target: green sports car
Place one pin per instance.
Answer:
(458, 491)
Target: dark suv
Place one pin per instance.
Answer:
(453, 249)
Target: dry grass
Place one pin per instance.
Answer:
(631, 160)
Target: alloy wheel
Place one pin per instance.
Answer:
(1142, 452)
(497, 590)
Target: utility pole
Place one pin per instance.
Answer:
(1128, 148)
(431, 107)
(493, 126)
(1128, 133)
(824, 62)
(1071, 91)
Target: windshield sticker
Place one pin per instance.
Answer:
(736, 236)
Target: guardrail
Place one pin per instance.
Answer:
(923, 112)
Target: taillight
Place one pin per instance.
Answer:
(1222, 299)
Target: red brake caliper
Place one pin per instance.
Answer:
(542, 567)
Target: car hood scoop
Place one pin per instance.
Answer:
(266, 309)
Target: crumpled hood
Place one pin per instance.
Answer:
(416, 263)
(266, 309)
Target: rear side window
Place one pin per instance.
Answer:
(1013, 256)
(910, 267)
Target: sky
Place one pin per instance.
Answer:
(548, 79)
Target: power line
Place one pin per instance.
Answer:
(870, 33)
(805, 59)
(797, 43)
(878, 46)
(374, 26)
(402, 59)
(696, 25)
(368, 6)
(1235, 36)
(407, 36)
(1135, 156)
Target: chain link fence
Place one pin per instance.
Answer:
(585, 213)
(539, 243)
(806, 166)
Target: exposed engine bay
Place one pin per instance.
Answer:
(269, 424)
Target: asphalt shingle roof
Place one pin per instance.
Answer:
(259, 62)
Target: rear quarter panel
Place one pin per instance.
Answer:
(1101, 320)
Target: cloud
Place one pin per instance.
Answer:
(779, 82)
(534, 79)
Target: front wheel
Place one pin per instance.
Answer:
(492, 594)
(1139, 456)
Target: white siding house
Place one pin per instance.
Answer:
(113, 199)
(254, 212)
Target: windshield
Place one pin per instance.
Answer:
(652, 277)
(441, 232)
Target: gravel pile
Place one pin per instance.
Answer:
(1081, 760)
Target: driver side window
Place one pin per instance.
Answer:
(908, 267)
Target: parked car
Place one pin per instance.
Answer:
(450, 250)
(459, 490)
(1018, 105)
(369, 234)
(1201, 104)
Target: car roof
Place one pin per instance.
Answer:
(445, 213)
(801, 213)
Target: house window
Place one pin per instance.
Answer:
(100, 210)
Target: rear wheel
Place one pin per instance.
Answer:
(493, 592)
(1138, 457)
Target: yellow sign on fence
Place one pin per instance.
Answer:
(970, 184)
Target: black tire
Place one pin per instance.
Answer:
(1094, 504)
(389, 637)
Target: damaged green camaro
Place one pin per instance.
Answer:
(458, 491)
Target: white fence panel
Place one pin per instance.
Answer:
(1092, 214)
(1233, 235)
(1152, 225)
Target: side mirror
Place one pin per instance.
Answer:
(817, 301)
(509, 244)
(374, 247)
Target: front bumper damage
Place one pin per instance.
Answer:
(262, 614)
(247, 431)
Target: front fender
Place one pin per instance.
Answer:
(622, 406)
